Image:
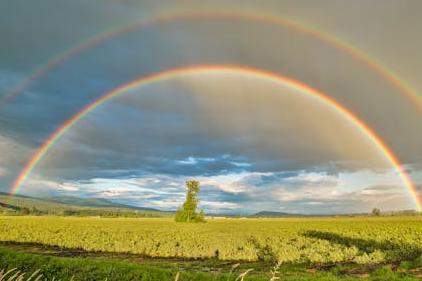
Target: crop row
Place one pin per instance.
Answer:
(316, 240)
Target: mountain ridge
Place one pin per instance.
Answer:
(276, 214)
(62, 205)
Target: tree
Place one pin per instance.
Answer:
(187, 212)
(24, 211)
(376, 211)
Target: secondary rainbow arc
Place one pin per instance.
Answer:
(156, 77)
(384, 72)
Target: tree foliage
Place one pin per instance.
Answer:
(376, 212)
(187, 212)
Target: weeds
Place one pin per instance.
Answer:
(18, 275)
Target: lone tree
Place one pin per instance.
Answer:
(187, 212)
(376, 212)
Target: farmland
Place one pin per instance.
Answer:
(362, 240)
(320, 248)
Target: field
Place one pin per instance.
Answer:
(316, 242)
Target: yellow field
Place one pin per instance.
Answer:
(360, 239)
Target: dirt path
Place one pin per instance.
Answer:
(193, 265)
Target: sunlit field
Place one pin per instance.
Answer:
(260, 243)
(315, 240)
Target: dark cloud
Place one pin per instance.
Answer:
(158, 129)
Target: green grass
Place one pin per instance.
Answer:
(87, 269)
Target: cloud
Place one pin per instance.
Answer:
(178, 131)
(13, 156)
(195, 160)
(243, 192)
(3, 172)
(218, 206)
(188, 161)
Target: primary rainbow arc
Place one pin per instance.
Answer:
(156, 77)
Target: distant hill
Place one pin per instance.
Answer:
(69, 205)
(95, 202)
(17, 202)
(273, 214)
(14, 195)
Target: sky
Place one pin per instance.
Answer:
(253, 143)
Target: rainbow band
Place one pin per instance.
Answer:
(354, 52)
(160, 76)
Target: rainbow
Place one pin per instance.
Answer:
(262, 74)
(337, 43)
